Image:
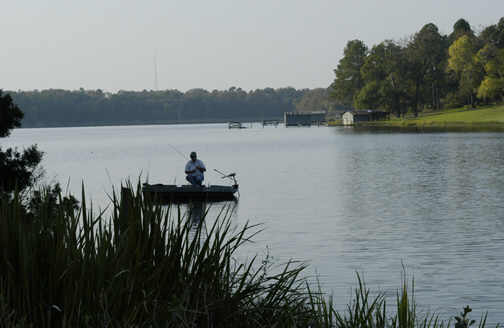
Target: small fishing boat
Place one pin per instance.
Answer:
(188, 193)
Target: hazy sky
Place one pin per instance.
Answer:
(211, 44)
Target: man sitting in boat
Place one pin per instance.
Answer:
(194, 170)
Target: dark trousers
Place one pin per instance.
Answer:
(195, 180)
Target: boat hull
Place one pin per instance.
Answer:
(188, 193)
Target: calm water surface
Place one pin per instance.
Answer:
(341, 200)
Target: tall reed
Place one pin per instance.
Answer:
(145, 265)
(142, 266)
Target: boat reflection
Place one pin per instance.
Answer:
(201, 212)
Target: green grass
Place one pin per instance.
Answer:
(334, 123)
(483, 115)
(149, 266)
(479, 119)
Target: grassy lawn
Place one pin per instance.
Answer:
(333, 123)
(489, 118)
(486, 114)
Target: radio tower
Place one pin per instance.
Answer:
(156, 86)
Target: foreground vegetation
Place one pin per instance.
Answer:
(147, 266)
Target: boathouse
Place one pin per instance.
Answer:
(353, 117)
(294, 119)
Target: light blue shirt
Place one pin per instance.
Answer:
(193, 166)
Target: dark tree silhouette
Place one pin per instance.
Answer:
(10, 115)
(18, 170)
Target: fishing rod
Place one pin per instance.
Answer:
(177, 151)
(225, 175)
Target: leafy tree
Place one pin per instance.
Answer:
(461, 53)
(10, 115)
(494, 34)
(460, 28)
(17, 169)
(385, 72)
(492, 60)
(492, 86)
(348, 80)
(424, 71)
(48, 201)
(491, 89)
(427, 55)
(462, 63)
(370, 96)
(316, 100)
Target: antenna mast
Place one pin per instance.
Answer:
(156, 86)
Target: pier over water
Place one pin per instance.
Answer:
(294, 119)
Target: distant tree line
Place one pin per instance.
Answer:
(426, 71)
(56, 107)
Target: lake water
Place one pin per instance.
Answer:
(341, 200)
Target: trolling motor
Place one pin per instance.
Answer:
(231, 176)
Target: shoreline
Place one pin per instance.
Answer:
(423, 126)
(482, 119)
(133, 123)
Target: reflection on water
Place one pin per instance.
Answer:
(196, 212)
(205, 213)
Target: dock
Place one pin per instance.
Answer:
(305, 119)
(235, 125)
(274, 123)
